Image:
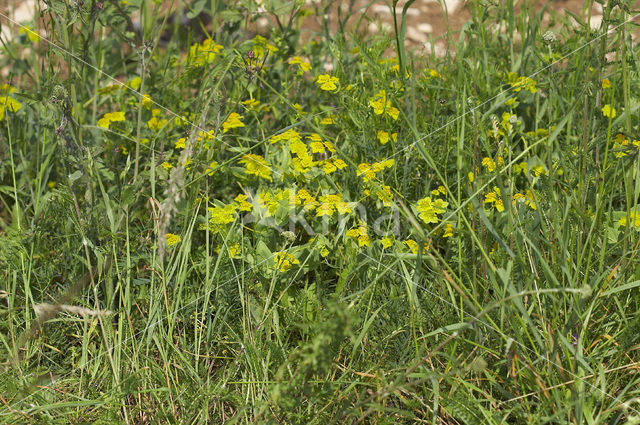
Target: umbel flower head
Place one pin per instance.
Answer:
(381, 105)
(327, 82)
(428, 209)
(256, 165)
(234, 120)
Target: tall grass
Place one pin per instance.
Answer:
(474, 259)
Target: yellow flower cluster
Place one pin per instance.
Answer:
(490, 164)
(440, 190)
(284, 261)
(222, 215)
(368, 171)
(256, 165)
(110, 117)
(331, 203)
(494, 197)
(255, 105)
(608, 111)
(384, 137)
(302, 154)
(526, 198)
(303, 66)
(521, 83)
(33, 36)
(413, 246)
(327, 82)
(172, 239)
(429, 209)
(234, 120)
(154, 123)
(382, 193)
(381, 105)
(361, 234)
(635, 220)
(205, 53)
(6, 102)
(622, 145)
(261, 45)
(505, 126)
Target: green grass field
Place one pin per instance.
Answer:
(326, 228)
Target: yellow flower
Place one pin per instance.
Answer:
(135, 82)
(243, 205)
(303, 66)
(222, 215)
(635, 220)
(256, 165)
(606, 84)
(325, 209)
(413, 246)
(495, 199)
(172, 239)
(201, 54)
(380, 105)
(317, 147)
(519, 83)
(538, 170)
(33, 36)
(167, 165)
(383, 136)
(284, 261)
(440, 190)
(235, 250)
(526, 198)
(324, 252)
(621, 145)
(429, 209)
(329, 146)
(299, 109)
(146, 101)
(327, 82)
(7, 89)
(261, 45)
(448, 230)
(156, 124)
(233, 121)
(180, 144)
(340, 164)
(361, 234)
(608, 111)
(520, 168)
(290, 136)
(386, 242)
(433, 73)
(213, 165)
(328, 167)
(110, 117)
(328, 120)
(489, 164)
(251, 103)
(305, 198)
(10, 104)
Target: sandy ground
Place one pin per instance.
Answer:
(427, 20)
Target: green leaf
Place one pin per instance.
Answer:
(621, 288)
(75, 176)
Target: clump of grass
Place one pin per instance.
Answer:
(394, 238)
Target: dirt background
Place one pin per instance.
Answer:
(427, 20)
